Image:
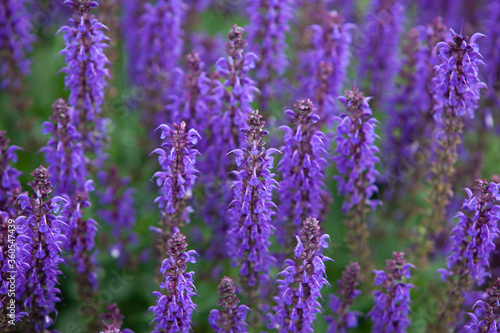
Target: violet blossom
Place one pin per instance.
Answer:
(301, 282)
(485, 317)
(232, 316)
(112, 320)
(251, 210)
(177, 158)
(40, 239)
(343, 319)
(86, 72)
(15, 42)
(355, 157)
(9, 176)
(392, 302)
(302, 170)
(174, 308)
(269, 24)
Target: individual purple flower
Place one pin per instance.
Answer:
(15, 42)
(301, 281)
(64, 151)
(160, 44)
(324, 64)
(455, 89)
(112, 320)
(251, 210)
(343, 319)
(486, 317)
(117, 210)
(302, 169)
(177, 158)
(86, 72)
(392, 302)
(379, 54)
(232, 316)
(174, 309)
(40, 239)
(355, 157)
(9, 176)
(269, 24)
(81, 240)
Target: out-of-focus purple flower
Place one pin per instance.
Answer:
(302, 169)
(112, 320)
(324, 64)
(473, 238)
(40, 239)
(132, 11)
(81, 239)
(344, 319)
(301, 281)
(232, 317)
(64, 151)
(392, 302)
(251, 210)
(208, 47)
(232, 99)
(269, 24)
(486, 317)
(117, 202)
(86, 72)
(174, 309)
(177, 158)
(9, 176)
(379, 54)
(355, 157)
(15, 42)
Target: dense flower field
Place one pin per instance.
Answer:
(249, 166)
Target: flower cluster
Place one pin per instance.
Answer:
(301, 283)
(112, 320)
(9, 176)
(343, 318)
(15, 42)
(177, 159)
(64, 151)
(252, 208)
(267, 38)
(86, 71)
(392, 303)
(491, 54)
(302, 168)
(174, 309)
(39, 242)
(486, 317)
(379, 55)
(325, 64)
(232, 317)
(355, 157)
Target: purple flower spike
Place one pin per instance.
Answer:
(174, 309)
(355, 156)
(324, 64)
(251, 210)
(177, 158)
(9, 176)
(392, 302)
(39, 244)
(64, 151)
(472, 241)
(113, 320)
(344, 319)
(301, 281)
(455, 89)
(485, 317)
(379, 54)
(15, 42)
(302, 168)
(86, 72)
(232, 317)
(269, 24)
